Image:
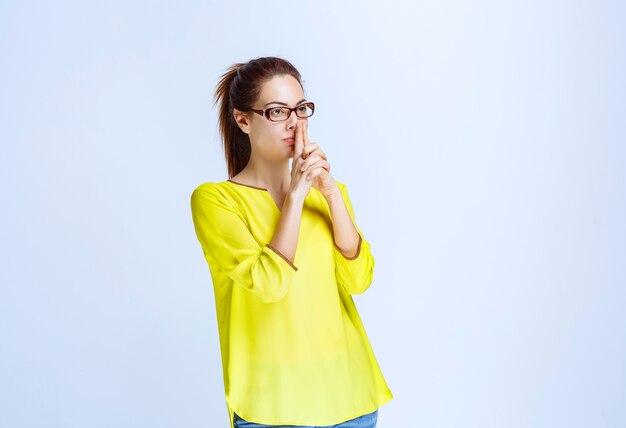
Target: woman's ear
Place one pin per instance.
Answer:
(241, 119)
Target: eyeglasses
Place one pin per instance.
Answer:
(280, 114)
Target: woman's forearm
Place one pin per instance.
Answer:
(345, 233)
(285, 239)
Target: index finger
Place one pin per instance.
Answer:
(299, 142)
(305, 133)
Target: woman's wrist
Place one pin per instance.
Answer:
(334, 196)
(293, 198)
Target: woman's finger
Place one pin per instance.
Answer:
(319, 164)
(311, 160)
(305, 133)
(299, 142)
(317, 170)
(306, 153)
(308, 149)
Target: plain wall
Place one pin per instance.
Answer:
(483, 145)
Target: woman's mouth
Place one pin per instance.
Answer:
(290, 140)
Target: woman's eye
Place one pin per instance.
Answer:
(276, 111)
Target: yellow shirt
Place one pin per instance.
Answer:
(294, 350)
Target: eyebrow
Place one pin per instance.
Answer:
(285, 104)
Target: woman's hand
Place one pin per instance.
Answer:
(310, 171)
(300, 185)
(316, 162)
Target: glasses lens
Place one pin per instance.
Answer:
(305, 110)
(279, 113)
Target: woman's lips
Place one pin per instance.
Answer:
(289, 140)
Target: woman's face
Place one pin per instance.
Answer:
(266, 137)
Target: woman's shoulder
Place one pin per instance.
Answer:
(225, 192)
(208, 190)
(209, 185)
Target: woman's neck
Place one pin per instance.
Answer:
(276, 180)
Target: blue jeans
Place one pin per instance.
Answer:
(363, 421)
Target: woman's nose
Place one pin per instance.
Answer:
(292, 122)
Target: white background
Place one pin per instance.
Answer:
(483, 145)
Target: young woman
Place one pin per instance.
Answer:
(285, 257)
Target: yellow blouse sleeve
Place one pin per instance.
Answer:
(354, 274)
(228, 243)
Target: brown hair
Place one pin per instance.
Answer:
(240, 87)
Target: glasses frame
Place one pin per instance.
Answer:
(265, 113)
